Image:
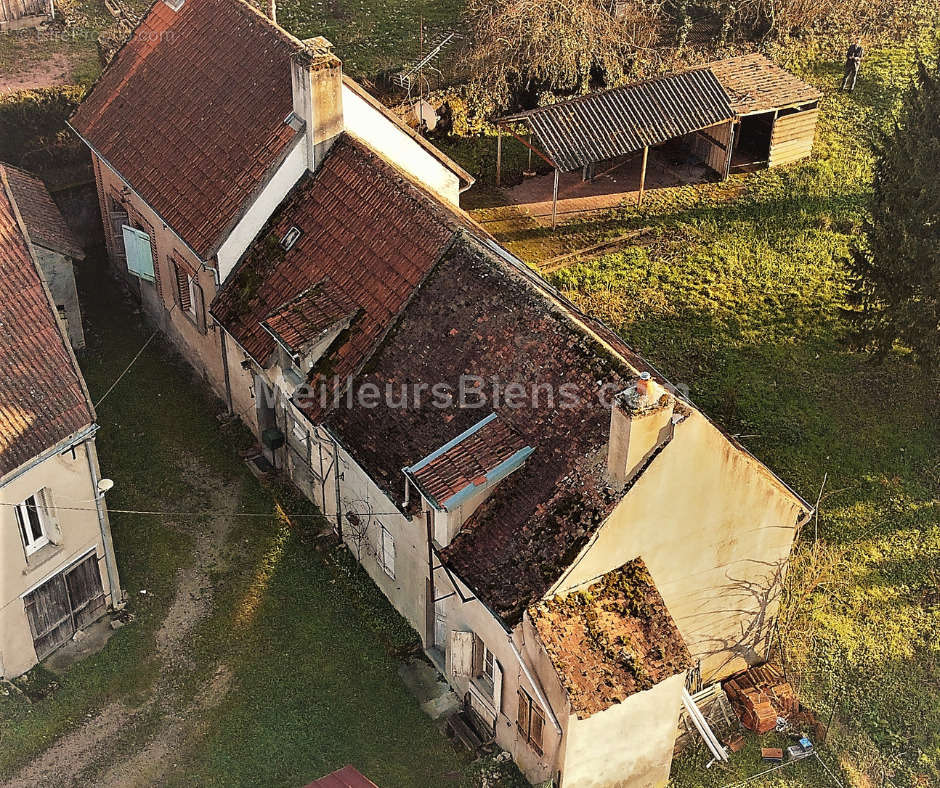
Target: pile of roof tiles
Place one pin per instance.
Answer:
(759, 696)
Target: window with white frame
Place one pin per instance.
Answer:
(32, 516)
(387, 553)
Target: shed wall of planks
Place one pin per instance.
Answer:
(12, 11)
(792, 137)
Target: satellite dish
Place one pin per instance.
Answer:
(104, 485)
(426, 114)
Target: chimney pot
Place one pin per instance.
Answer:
(640, 422)
(317, 86)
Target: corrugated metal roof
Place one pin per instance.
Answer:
(605, 125)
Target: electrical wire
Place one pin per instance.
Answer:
(205, 513)
(126, 369)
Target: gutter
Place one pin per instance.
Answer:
(104, 528)
(60, 448)
(538, 692)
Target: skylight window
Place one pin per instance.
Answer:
(290, 238)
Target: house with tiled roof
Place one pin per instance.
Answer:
(574, 542)
(57, 567)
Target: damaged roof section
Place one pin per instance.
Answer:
(192, 112)
(364, 229)
(484, 454)
(308, 317)
(481, 318)
(611, 640)
(755, 83)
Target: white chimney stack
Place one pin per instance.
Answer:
(317, 84)
(640, 422)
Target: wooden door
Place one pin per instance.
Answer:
(440, 624)
(50, 616)
(86, 596)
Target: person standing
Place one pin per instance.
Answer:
(853, 59)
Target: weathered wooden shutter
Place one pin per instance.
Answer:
(497, 686)
(51, 522)
(49, 616)
(200, 308)
(522, 714)
(118, 220)
(535, 728)
(182, 287)
(139, 254)
(461, 653)
(477, 655)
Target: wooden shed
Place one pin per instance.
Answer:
(776, 111)
(19, 14)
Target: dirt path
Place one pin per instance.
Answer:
(80, 753)
(54, 70)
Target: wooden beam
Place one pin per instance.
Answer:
(499, 153)
(533, 149)
(639, 197)
(729, 151)
(555, 201)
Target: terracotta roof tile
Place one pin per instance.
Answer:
(42, 396)
(42, 218)
(756, 84)
(309, 315)
(347, 777)
(364, 228)
(468, 459)
(611, 639)
(191, 113)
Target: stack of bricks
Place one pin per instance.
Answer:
(759, 696)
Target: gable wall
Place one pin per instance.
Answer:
(715, 530)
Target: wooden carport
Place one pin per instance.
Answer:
(582, 131)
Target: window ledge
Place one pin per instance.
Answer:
(42, 556)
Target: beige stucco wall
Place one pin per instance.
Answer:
(60, 276)
(715, 529)
(628, 745)
(202, 351)
(75, 533)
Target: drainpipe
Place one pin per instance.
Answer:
(104, 527)
(225, 373)
(538, 693)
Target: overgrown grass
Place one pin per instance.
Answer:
(311, 644)
(746, 303)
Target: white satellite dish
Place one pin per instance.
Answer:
(104, 485)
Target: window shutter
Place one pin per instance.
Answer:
(497, 686)
(199, 307)
(535, 729)
(118, 220)
(477, 655)
(522, 714)
(139, 254)
(388, 552)
(182, 287)
(461, 649)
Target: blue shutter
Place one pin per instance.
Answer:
(139, 257)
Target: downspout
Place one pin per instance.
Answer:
(225, 373)
(538, 692)
(339, 506)
(104, 527)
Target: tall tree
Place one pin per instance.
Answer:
(897, 273)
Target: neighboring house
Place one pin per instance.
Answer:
(57, 567)
(19, 14)
(55, 246)
(527, 491)
(347, 777)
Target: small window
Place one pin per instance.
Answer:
(387, 553)
(530, 721)
(299, 431)
(488, 664)
(290, 238)
(32, 518)
(185, 287)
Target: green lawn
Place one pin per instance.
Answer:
(311, 645)
(744, 302)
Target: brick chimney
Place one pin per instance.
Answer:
(317, 84)
(640, 422)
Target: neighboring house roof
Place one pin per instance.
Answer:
(347, 777)
(309, 316)
(483, 454)
(42, 218)
(364, 227)
(192, 113)
(615, 122)
(756, 84)
(43, 399)
(477, 314)
(611, 639)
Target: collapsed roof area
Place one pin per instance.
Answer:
(611, 639)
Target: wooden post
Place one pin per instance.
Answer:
(555, 200)
(639, 197)
(730, 151)
(529, 168)
(499, 153)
